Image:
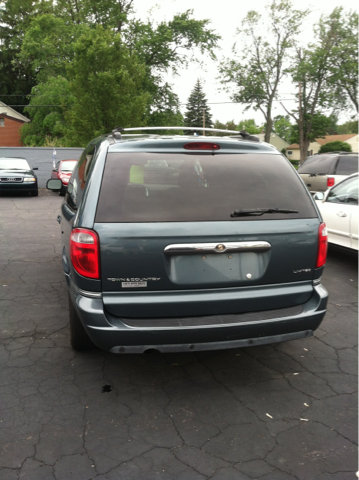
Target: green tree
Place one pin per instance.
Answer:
(230, 125)
(198, 112)
(47, 123)
(320, 125)
(250, 126)
(312, 77)
(48, 45)
(261, 64)
(164, 109)
(282, 127)
(348, 127)
(106, 84)
(343, 62)
(15, 81)
(335, 147)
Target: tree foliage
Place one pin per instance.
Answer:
(47, 122)
(313, 80)
(17, 81)
(106, 84)
(230, 125)
(320, 128)
(43, 35)
(282, 127)
(343, 61)
(348, 127)
(335, 147)
(197, 108)
(250, 126)
(260, 65)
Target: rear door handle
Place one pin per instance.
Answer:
(342, 214)
(193, 248)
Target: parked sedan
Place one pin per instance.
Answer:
(339, 208)
(16, 175)
(63, 171)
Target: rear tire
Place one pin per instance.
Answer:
(78, 337)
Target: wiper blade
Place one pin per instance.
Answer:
(260, 211)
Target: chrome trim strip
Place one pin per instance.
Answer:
(193, 248)
(85, 293)
(339, 233)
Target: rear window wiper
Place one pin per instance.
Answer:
(260, 211)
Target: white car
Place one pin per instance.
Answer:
(339, 209)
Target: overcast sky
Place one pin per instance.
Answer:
(226, 16)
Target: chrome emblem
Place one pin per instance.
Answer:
(220, 247)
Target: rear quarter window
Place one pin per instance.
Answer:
(347, 165)
(171, 187)
(319, 164)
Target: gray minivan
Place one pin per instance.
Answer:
(184, 243)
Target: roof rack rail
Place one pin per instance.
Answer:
(338, 151)
(246, 136)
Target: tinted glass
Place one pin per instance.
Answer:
(78, 179)
(14, 164)
(152, 187)
(318, 164)
(345, 192)
(347, 165)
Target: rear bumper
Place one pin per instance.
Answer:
(231, 331)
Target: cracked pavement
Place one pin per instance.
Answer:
(279, 412)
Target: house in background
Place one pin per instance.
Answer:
(276, 141)
(11, 122)
(293, 152)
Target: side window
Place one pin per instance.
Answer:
(71, 196)
(85, 164)
(347, 165)
(346, 192)
(79, 177)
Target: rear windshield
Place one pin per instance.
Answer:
(170, 187)
(68, 166)
(347, 165)
(319, 164)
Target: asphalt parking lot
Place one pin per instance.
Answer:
(282, 412)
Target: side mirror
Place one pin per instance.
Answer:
(35, 168)
(319, 196)
(54, 184)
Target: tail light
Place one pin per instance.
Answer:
(84, 252)
(330, 181)
(322, 245)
